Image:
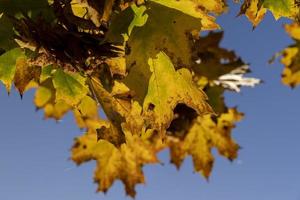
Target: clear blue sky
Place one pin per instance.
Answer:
(34, 153)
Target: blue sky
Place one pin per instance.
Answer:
(34, 153)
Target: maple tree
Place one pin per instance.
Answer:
(145, 64)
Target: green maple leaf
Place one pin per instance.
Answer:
(167, 88)
(70, 87)
(147, 41)
(255, 10)
(8, 62)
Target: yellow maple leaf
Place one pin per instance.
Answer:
(206, 133)
(162, 97)
(8, 62)
(24, 74)
(124, 163)
(45, 97)
(255, 10)
(86, 114)
(69, 87)
(198, 9)
(291, 57)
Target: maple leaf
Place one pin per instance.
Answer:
(283, 8)
(291, 57)
(255, 10)
(70, 87)
(8, 62)
(14, 68)
(45, 97)
(162, 97)
(198, 9)
(216, 69)
(205, 134)
(124, 163)
(25, 73)
(86, 113)
(60, 92)
(147, 41)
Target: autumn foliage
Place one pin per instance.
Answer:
(149, 65)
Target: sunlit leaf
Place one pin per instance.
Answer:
(291, 57)
(255, 10)
(147, 41)
(124, 164)
(8, 62)
(45, 97)
(205, 134)
(24, 74)
(198, 9)
(162, 97)
(70, 87)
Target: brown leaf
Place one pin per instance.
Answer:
(24, 74)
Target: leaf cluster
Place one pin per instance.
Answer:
(146, 64)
